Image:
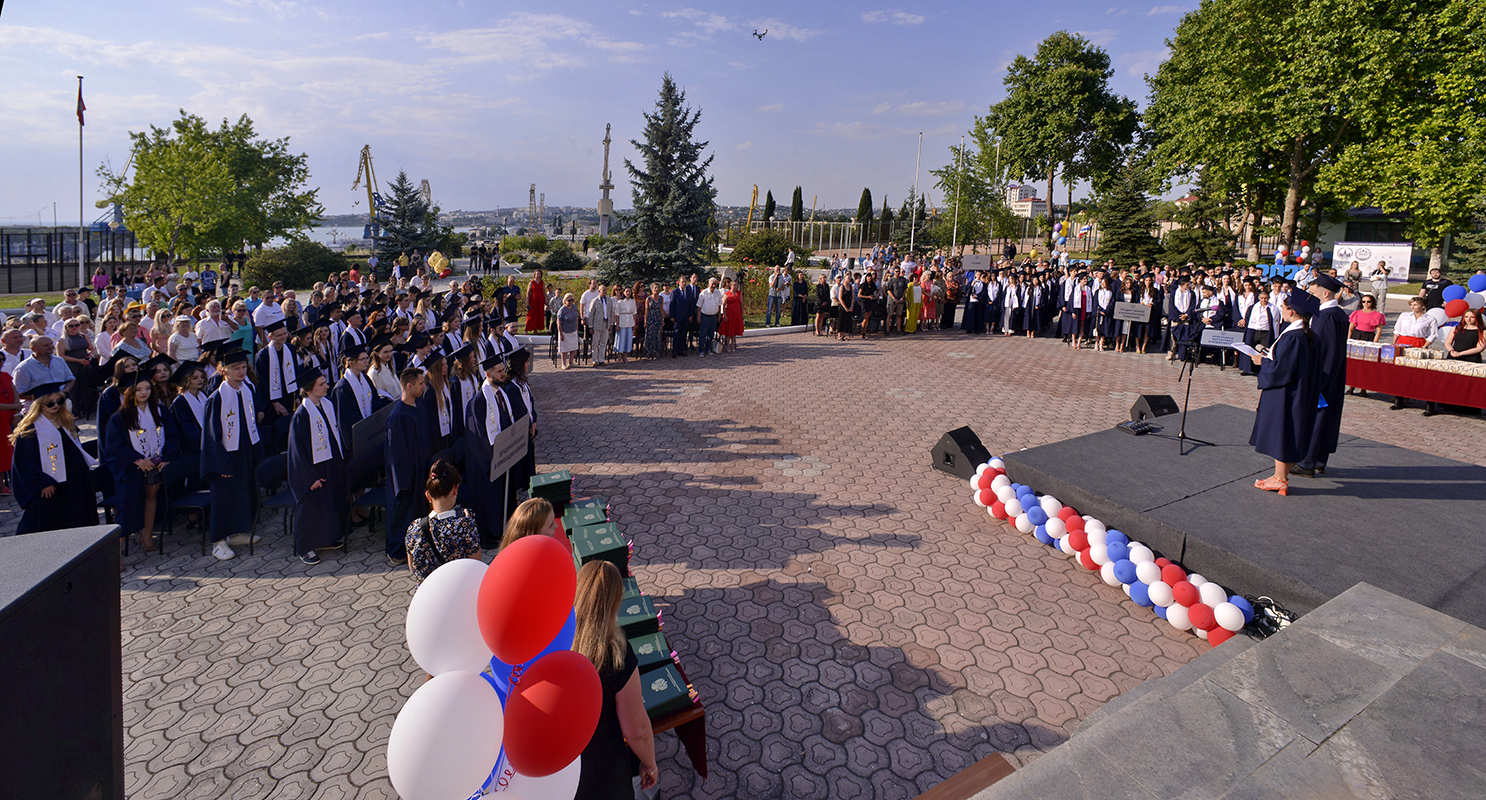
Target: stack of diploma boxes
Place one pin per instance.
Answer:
(1416, 357)
(554, 487)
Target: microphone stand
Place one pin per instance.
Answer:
(1189, 368)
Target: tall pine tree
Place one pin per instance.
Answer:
(887, 220)
(864, 206)
(797, 206)
(1125, 219)
(407, 222)
(769, 207)
(673, 196)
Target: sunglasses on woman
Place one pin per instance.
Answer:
(50, 403)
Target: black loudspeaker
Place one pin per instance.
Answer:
(1153, 405)
(61, 683)
(959, 452)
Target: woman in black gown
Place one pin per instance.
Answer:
(51, 476)
(623, 733)
(317, 470)
(142, 443)
(1288, 393)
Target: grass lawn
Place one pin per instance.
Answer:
(20, 300)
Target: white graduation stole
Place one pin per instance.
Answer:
(148, 441)
(322, 429)
(492, 417)
(362, 390)
(276, 377)
(445, 410)
(53, 457)
(232, 424)
(197, 403)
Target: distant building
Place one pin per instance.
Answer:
(1016, 194)
(1029, 208)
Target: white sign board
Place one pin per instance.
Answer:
(1132, 312)
(1368, 254)
(974, 262)
(1213, 337)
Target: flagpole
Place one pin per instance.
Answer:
(82, 242)
(954, 238)
(913, 207)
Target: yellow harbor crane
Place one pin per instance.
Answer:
(364, 171)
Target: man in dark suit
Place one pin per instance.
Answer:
(1330, 326)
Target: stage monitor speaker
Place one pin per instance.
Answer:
(61, 684)
(1153, 405)
(959, 452)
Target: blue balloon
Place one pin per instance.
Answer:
(1141, 594)
(1115, 536)
(1244, 606)
(1017, 487)
(1118, 551)
(1477, 283)
(1029, 501)
(503, 671)
(1160, 611)
(1041, 533)
(1124, 571)
(1062, 240)
(1456, 292)
(1037, 515)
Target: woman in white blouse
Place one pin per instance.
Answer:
(624, 334)
(383, 372)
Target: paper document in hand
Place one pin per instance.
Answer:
(1246, 350)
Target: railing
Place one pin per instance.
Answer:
(45, 259)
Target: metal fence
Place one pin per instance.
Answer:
(45, 259)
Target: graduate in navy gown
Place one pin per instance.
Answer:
(275, 368)
(1183, 317)
(409, 449)
(354, 396)
(517, 401)
(189, 406)
(441, 405)
(977, 305)
(51, 474)
(317, 471)
(142, 440)
(1330, 326)
(230, 452)
(1287, 393)
(518, 369)
(490, 413)
(122, 367)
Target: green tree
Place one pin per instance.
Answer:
(299, 264)
(1059, 115)
(561, 258)
(797, 206)
(1202, 237)
(766, 248)
(769, 207)
(1470, 254)
(408, 222)
(1125, 221)
(864, 208)
(887, 220)
(674, 198)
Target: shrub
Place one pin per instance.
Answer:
(561, 258)
(766, 248)
(298, 264)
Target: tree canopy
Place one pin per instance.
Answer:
(408, 222)
(1125, 221)
(674, 198)
(196, 191)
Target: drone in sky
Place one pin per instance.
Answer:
(760, 36)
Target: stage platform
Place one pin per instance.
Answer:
(1401, 520)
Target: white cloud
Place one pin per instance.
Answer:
(528, 39)
(707, 21)
(1101, 37)
(784, 30)
(882, 108)
(743, 146)
(928, 109)
(772, 107)
(1163, 10)
(1140, 63)
(895, 17)
(1117, 12)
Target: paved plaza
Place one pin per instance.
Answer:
(855, 626)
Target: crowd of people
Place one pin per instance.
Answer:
(644, 321)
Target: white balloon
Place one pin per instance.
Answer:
(981, 468)
(1024, 523)
(1160, 593)
(1201, 634)
(1013, 508)
(1126, 587)
(1094, 526)
(1195, 579)
(446, 738)
(1001, 481)
(1176, 614)
(1056, 528)
(1066, 546)
(1099, 554)
(560, 785)
(990, 512)
(1140, 554)
(978, 501)
(1229, 616)
(1107, 573)
(1147, 572)
(1005, 493)
(442, 628)
(1212, 594)
(1439, 315)
(1051, 505)
(1475, 300)
(997, 463)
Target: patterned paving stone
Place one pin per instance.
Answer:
(856, 627)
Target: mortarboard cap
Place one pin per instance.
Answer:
(41, 390)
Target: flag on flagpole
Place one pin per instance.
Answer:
(80, 107)
(1084, 231)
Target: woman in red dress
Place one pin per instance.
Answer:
(536, 303)
(8, 409)
(731, 326)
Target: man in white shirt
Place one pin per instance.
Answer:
(709, 306)
(267, 313)
(65, 312)
(38, 306)
(587, 298)
(11, 354)
(212, 327)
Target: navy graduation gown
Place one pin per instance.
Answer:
(108, 405)
(485, 497)
(347, 410)
(409, 448)
(72, 505)
(428, 405)
(529, 466)
(1153, 331)
(1252, 336)
(1287, 399)
(1330, 327)
(320, 515)
(119, 454)
(274, 428)
(187, 426)
(235, 498)
(521, 417)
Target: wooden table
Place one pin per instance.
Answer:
(690, 725)
(1417, 383)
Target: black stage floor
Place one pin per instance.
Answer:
(1399, 519)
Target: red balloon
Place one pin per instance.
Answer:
(525, 598)
(1067, 513)
(1075, 523)
(1456, 308)
(987, 497)
(1078, 540)
(1170, 573)
(1218, 635)
(1087, 560)
(998, 510)
(1162, 562)
(1185, 593)
(552, 713)
(1201, 615)
(984, 481)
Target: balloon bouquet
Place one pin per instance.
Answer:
(519, 728)
(1459, 299)
(1186, 601)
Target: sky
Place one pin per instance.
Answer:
(484, 99)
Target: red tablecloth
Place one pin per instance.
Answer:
(1416, 383)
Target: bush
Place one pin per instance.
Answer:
(561, 258)
(537, 243)
(766, 248)
(298, 264)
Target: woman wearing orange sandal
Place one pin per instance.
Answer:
(1288, 392)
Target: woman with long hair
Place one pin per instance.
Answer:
(535, 517)
(189, 406)
(317, 471)
(1288, 392)
(141, 443)
(383, 372)
(445, 416)
(52, 476)
(536, 303)
(623, 731)
(655, 317)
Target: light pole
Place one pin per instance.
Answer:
(913, 206)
